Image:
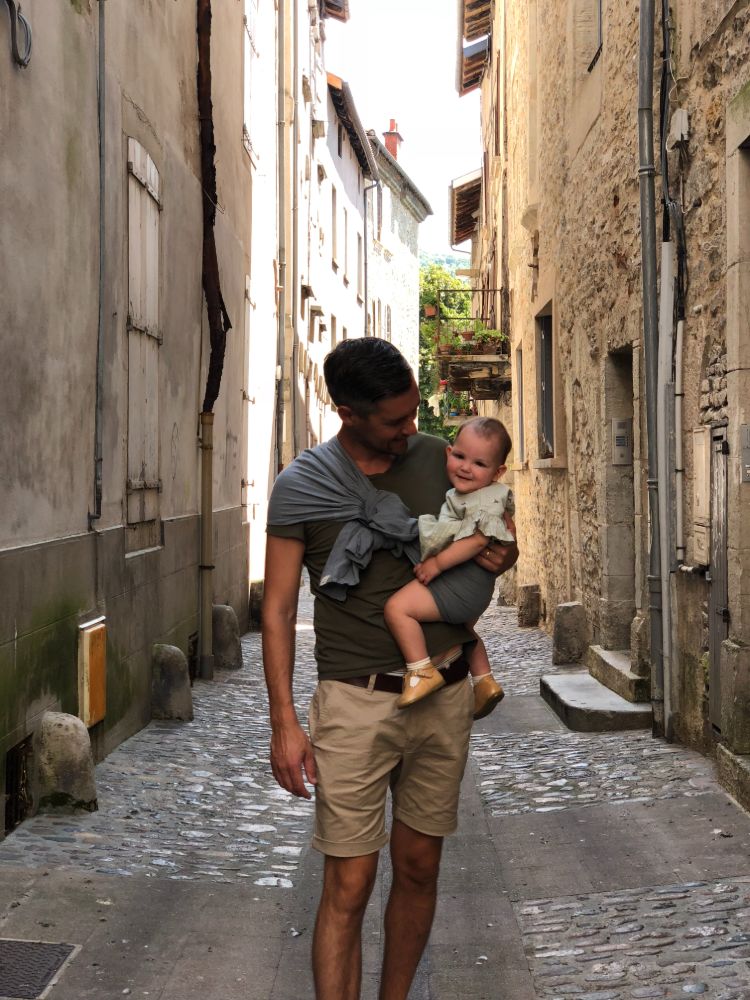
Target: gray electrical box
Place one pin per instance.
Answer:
(622, 441)
(745, 453)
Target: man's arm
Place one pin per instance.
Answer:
(291, 752)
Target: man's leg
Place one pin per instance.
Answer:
(411, 907)
(337, 942)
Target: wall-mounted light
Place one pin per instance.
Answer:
(20, 56)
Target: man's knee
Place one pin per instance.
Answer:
(348, 882)
(416, 858)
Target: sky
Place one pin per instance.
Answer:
(399, 59)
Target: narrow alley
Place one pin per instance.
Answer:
(594, 866)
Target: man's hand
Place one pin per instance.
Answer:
(427, 570)
(497, 558)
(291, 755)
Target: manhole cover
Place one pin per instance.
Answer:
(28, 967)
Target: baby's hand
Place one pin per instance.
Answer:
(427, 570)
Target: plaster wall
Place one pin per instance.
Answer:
(58, 571)
(394, 271)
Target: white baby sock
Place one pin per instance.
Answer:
(419, 664)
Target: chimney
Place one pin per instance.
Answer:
(392, 139)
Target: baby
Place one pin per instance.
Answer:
(449, 585)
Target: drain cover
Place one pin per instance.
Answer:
(28, 967)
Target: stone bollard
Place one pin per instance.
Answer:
(171, 697)
(64, 765)
(529, 605)
(570, 637)
(227, 649)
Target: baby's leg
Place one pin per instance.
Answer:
(479, 662)
(404, 612)
(487, 692)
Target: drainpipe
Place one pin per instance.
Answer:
(281, 254)
(646, 174)
(664, 404)
(678, 459)
(99, 390)
(368, 187)
(206, 665)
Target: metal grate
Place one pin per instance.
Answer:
(17, 794)
(27, 968)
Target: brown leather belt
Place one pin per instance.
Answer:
(454, 672)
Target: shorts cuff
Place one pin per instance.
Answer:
(350, 849)
(424, 826)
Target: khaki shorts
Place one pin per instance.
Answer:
(363, 745)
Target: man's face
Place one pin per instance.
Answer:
(387, 429)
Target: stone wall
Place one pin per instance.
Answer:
(563, 212)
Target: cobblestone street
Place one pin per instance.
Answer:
(594, 866)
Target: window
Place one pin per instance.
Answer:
(340, 144)
(333, 331)
(346, 246)
(360, 267)
(144, 338)
(520, 443)
(545, 403)
(388, 331)
(344, 333)
(334, 229)
(587, 26)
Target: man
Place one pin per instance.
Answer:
(361, 742)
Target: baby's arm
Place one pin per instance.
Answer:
(455, 554)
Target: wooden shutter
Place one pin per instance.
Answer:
(144, 336)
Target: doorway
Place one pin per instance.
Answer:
(718, 596)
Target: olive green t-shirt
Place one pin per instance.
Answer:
(351, 637)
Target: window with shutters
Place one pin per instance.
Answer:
(520, 443)
(545, 385)
(334, 231)
(250, 74)
(144, 339)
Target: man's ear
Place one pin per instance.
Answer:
(345, 413)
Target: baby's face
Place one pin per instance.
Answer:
(472, 462)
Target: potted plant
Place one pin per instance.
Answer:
(490, 341)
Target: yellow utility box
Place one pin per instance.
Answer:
(92, 672)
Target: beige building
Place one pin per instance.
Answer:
(555, 221)
(106, 347)
(394, 215)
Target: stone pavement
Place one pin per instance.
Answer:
(592, 866)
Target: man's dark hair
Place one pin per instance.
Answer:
(361, 372)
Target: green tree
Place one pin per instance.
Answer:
(453, 303)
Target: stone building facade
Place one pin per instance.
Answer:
(559, 231)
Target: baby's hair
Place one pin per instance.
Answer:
(489, 427)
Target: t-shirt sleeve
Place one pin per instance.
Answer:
(286, 531)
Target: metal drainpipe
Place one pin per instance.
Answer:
(99, 390)
(281, 182)
(646, 174)
(206, 665)
(368, 187)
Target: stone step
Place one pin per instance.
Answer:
(612, 668)
(587, 706)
